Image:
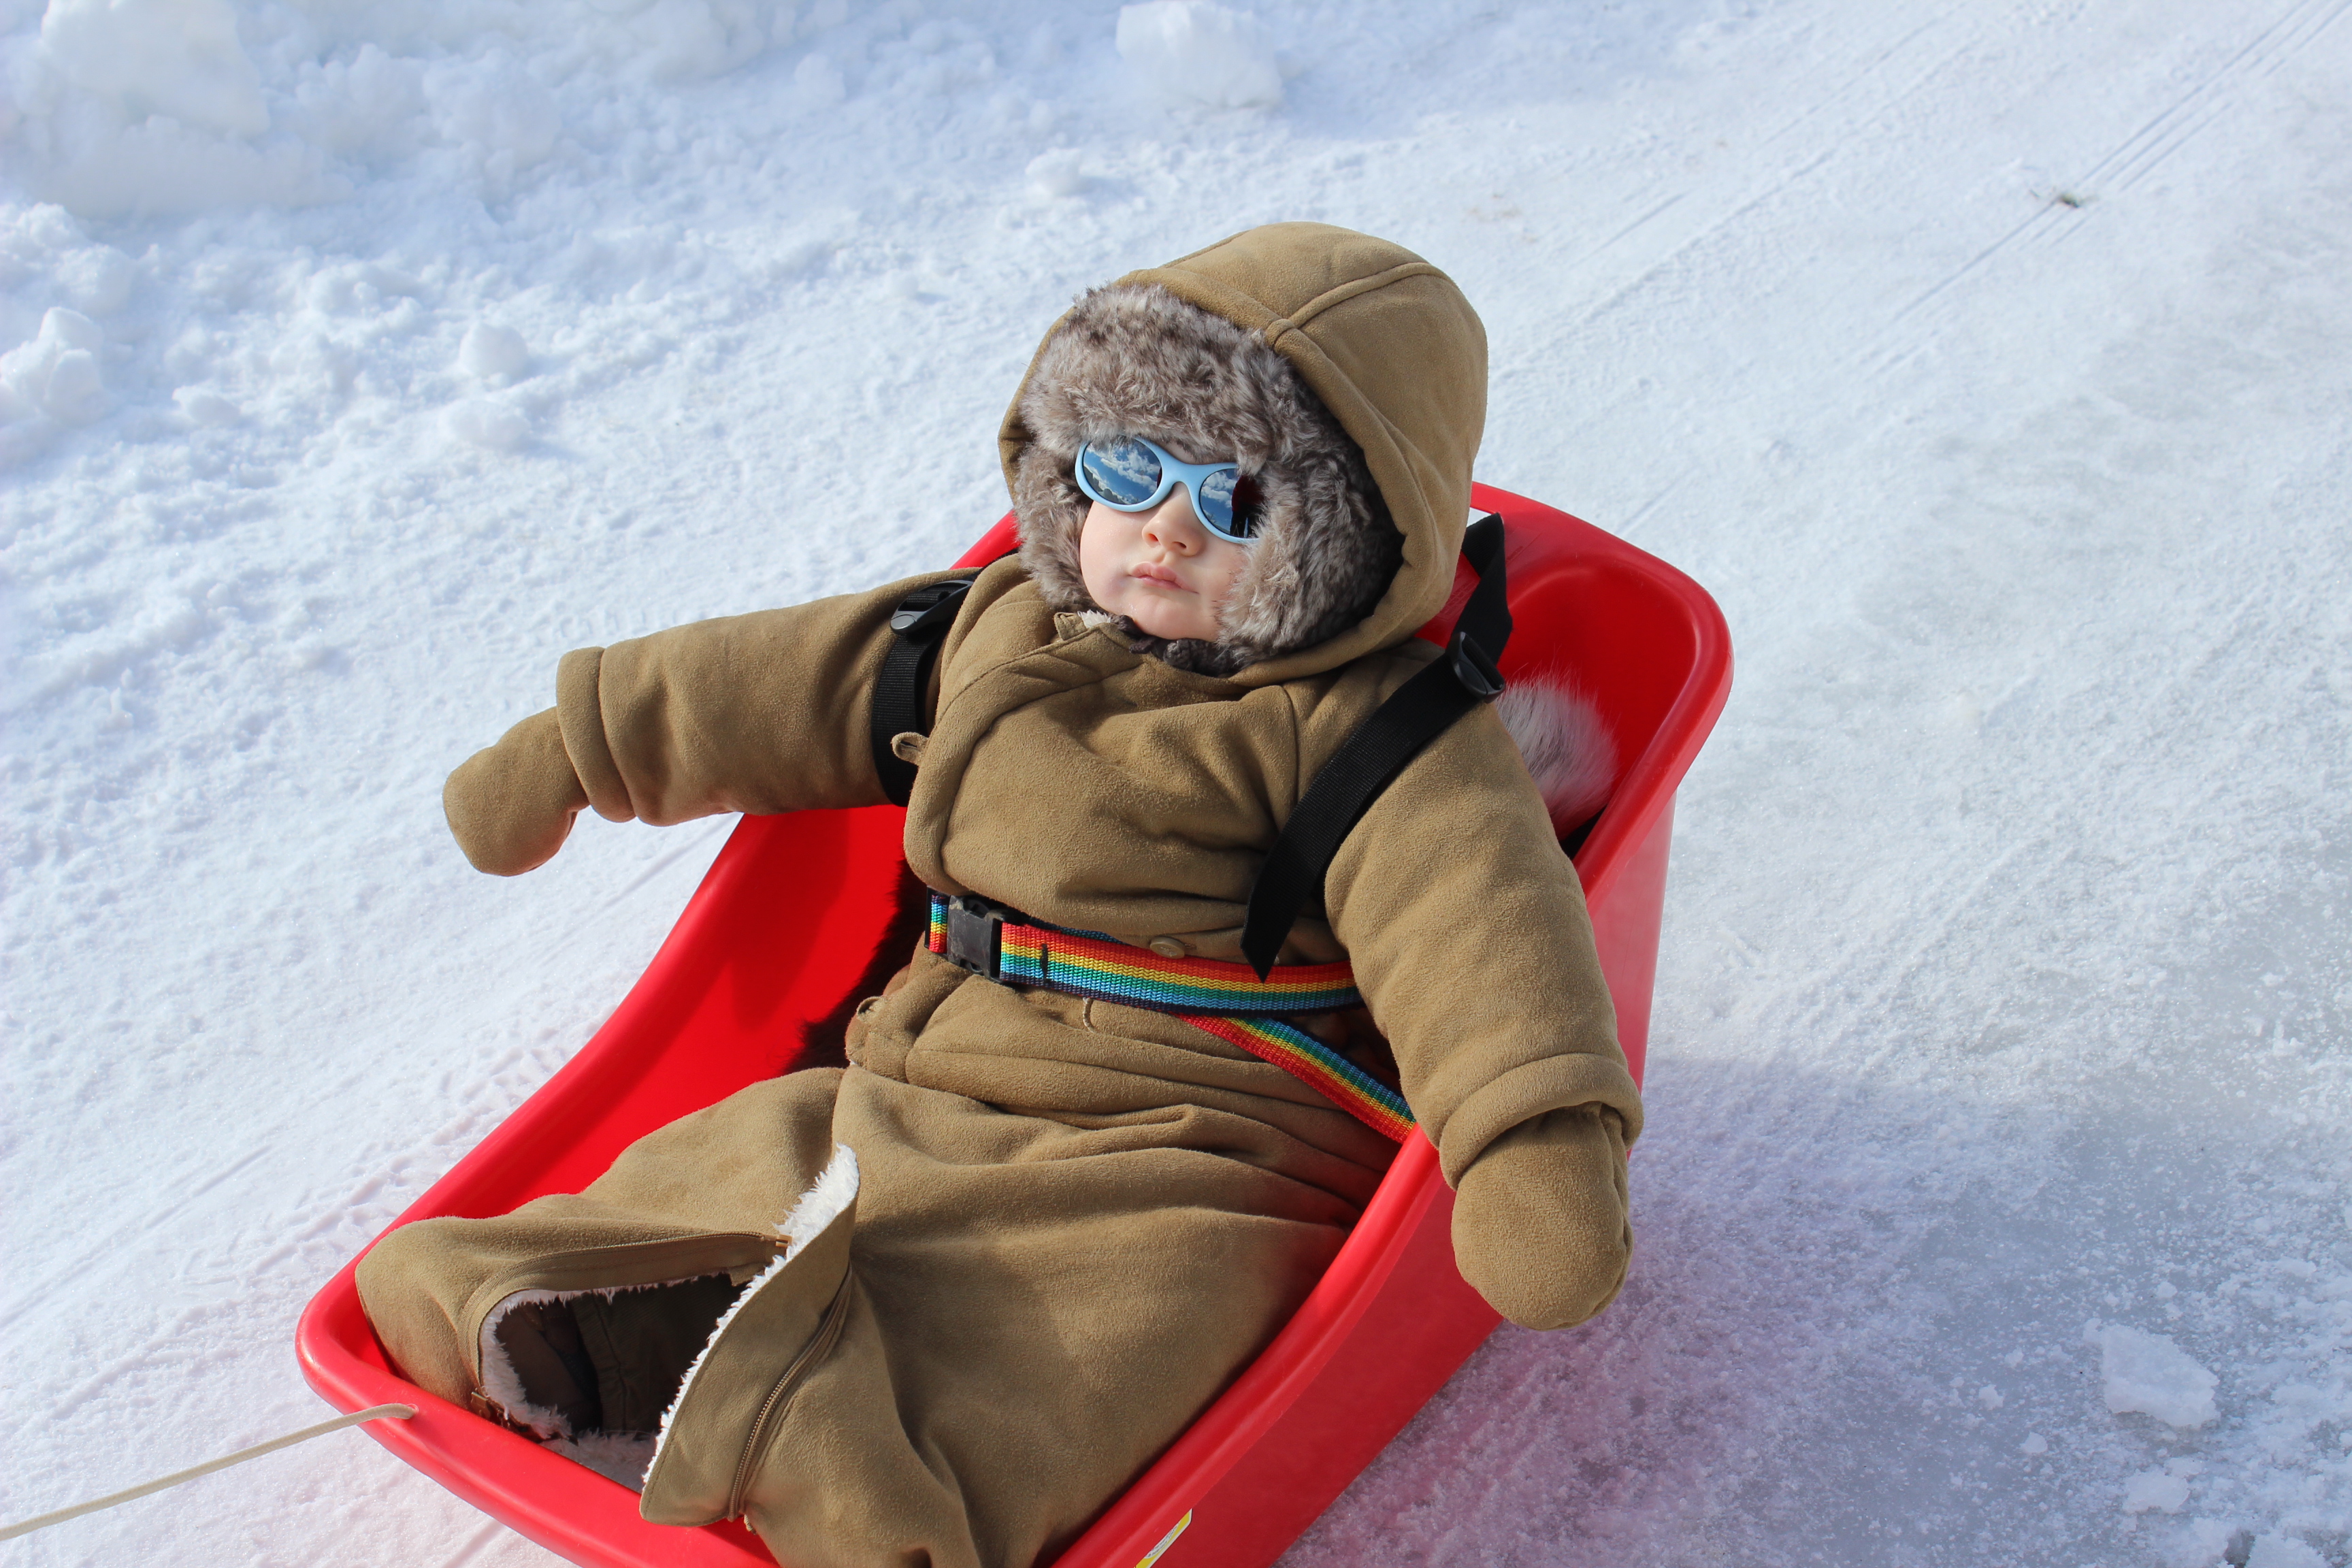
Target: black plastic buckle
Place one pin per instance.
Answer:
(1475, 669)
(926, 613)
(976, 936)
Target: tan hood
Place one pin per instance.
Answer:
(1394, 351)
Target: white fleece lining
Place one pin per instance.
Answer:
(818, 1207)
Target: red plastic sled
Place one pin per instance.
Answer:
(747, 976)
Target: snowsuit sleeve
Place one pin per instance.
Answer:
(1472, 946)
(760, 714)
(765, 712)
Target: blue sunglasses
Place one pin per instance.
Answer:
(1128, 473)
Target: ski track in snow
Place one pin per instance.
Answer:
(1988, 364)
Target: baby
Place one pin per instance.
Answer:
(939, 1305)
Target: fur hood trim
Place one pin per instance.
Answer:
(1135, 360)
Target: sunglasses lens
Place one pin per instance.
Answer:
(1230, 504)
(1119, 473)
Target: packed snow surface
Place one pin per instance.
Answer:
(1991, 364)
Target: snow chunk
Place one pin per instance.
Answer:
(96, 279)
(203, 407)
(492, 350)
(2198, 1544)
(175, 58)
(676, 40)
(2036, 1444)
(2155, 1490)
(101, 170)
(497, 112)
(1189, 51)
(370, 107)
(2282, 1552)
(817, 82)
(57, 373)
(485, 423)
(1055, 174)
(2148, 1372)
(153, 106)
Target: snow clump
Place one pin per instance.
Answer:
(1055, 174)
(493, 352)
(496, 114)
(1189, 51)
(2148, 1372)
(175, 58)
(2282, 1552)
(153, 106)
(486, 423)
(56, 374)
(2156, 1489)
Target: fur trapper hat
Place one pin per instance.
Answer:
(1135, 360)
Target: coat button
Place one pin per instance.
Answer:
(1168, 947)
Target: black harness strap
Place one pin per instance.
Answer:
(921, 621)
(1422, 709)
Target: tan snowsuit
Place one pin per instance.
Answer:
(1077, 1220)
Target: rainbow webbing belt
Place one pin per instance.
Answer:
(1228, 1000)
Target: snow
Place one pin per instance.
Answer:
(2282, 1552)
(2163, 1491)
(2148, 1372)
(1191, 52)
(1992, 366)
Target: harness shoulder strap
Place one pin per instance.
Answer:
(1419, 711)
(921, 622)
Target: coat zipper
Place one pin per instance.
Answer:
(755, 1441)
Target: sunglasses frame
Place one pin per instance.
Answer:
(1172, 473)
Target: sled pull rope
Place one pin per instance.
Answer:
(1422, 709)
(373, 1413)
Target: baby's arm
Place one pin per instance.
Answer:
(764, 712)
(1468, 933)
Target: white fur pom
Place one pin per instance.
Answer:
(1566, 746)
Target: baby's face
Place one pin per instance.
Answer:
(1161, 568)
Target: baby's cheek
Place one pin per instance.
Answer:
(1228, 573)
(1099, 554)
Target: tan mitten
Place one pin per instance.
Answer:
(511, 805)
(1539, 1218)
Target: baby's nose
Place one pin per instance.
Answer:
(1172, 524)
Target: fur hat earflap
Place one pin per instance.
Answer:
(1135, 360)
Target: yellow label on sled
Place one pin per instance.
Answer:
(1166, 1541)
